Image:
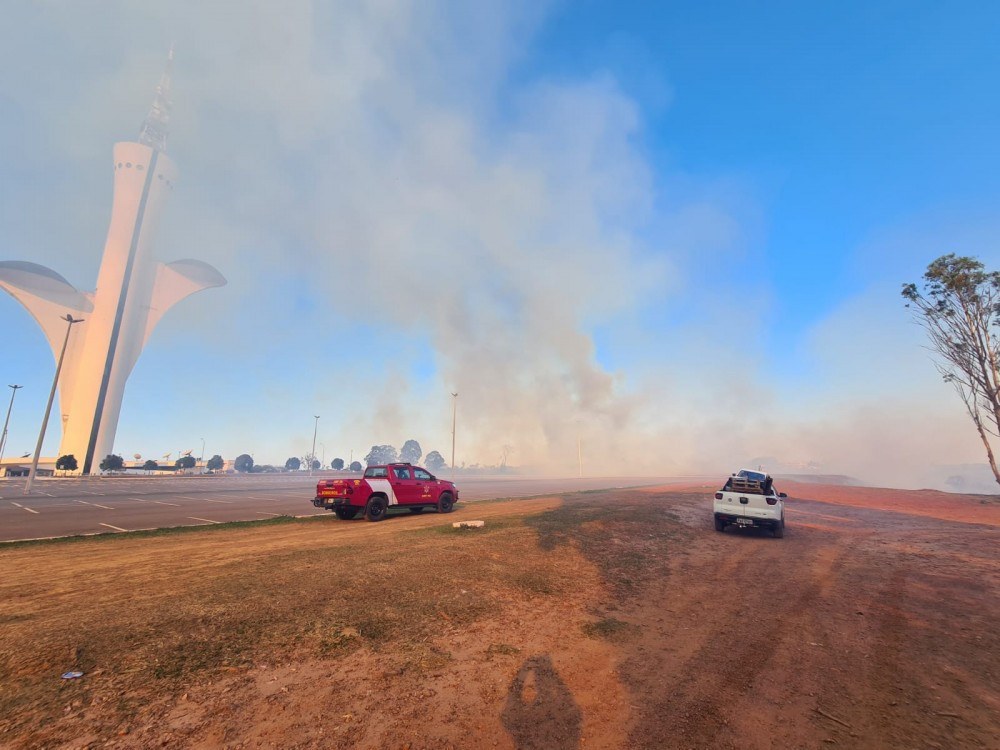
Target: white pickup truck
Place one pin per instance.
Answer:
(749, 499)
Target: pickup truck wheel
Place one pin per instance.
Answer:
(376, 509)
(446, 503)
(417, 509)
(345, 514)
(720, 525)
(779, 530)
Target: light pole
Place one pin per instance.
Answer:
(454, 413)
(70, 320)
(3, 438)
(312, 454)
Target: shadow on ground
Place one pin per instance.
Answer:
(540, 711)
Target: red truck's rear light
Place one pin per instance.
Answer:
(771, 500)
(718, 495)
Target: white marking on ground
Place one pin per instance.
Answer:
(185, 497)
(160, 502)
(30, 510)
(310, 515)
(227, 502)
(18, 505)
(207, 520)
(116, 528)
(265, 513)
(98, 505)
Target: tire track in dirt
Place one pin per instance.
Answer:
(745, 615)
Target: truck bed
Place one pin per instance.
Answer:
(744, 486)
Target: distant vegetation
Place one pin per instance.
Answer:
(243, 463)
(381, 454)
(112, 462)
(67, 462)
(410, 452)
(215, 463)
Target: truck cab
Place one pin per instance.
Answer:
(749, 499)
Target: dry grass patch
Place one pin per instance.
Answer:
(149, 618)
(608, 628)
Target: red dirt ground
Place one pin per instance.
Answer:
(615, 619)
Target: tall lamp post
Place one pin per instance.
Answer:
(3, 438)
(454, 413)
(70, 320)
(312, 454)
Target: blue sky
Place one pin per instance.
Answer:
(842, 118)
(595, 201)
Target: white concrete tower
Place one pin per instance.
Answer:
(133, 292)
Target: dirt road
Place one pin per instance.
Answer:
(601, 620)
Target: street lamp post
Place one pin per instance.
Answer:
(312, 454)
(454, 413)
(3, 438)
(70, 320)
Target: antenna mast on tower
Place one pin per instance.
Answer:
(154, 127)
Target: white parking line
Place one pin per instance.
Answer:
(207, 520)
(310, 515)
(227, 502)
(95, 505)
(30, 510)
(116, 528)
(265, 513)
(185, 497)
(160, 502)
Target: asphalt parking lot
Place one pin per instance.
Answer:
(97, 505)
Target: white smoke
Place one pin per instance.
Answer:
(402, 213)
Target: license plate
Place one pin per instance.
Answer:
(744, 522)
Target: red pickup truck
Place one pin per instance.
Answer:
(382, 487)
